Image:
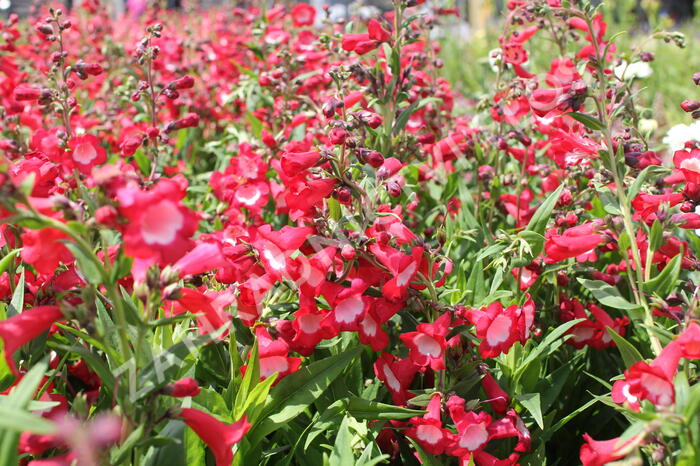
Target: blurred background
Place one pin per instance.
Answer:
(469, 35)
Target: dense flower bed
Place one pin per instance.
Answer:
(260, 237)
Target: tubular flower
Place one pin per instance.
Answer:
(219, 437)
(273, 355)
(497, 327)
(24, 327)
(574, 242)
(427, 344)
(428, 430)
(86, 152)
(44, 249)
(397, 375)
(688, 162)
(160, 227)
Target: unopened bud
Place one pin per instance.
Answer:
(690, 105)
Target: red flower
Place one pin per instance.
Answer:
(24, 327)
(294, 163)
(403, 269)
(427, 344)
(25, 92)
(219, 437)
(182, 388)
(574, 242)
(209, 308)
(159, 227)
(689, 164)
(348, 305)
(602, 452)
(499, 399)
(428, 430)
(498, 328)
(86, 152)
(44, 249)
(397, 375)
(273, 355)
(303, 14)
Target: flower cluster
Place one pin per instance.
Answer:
(283, 232)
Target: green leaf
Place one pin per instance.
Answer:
(372, 410)
(588, 121)
(656, 237)
(653, 170)
(607, 295)
(255, 401)
(629, 353)
(195, 453)
(166, 365)
(297, 391)
(531, 402)
(6, 261)
(330, 418)
(665, 282)
(406, 113)
(538, 222)
(342, 454)
(17, 301)
(250, 380)
(19, 421)
(425, 458)
(550, 342)
(142, 162)
(87, 267)
(19, 399)
(563, 421)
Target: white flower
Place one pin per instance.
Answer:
(638, 69)
(678, 135)
(494, 59)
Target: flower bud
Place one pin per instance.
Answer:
(375, 159)
(185, 82)
(129, 146)
(393, 188)
(690, 105)
(24, 92)
(188, 121)
(343, 195)
(348, 252)
(330, 106)
(44, 29)
(107, 216)
(182, 388)
(338, 136)
(647, 57)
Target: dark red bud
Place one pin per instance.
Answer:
(690, 105)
